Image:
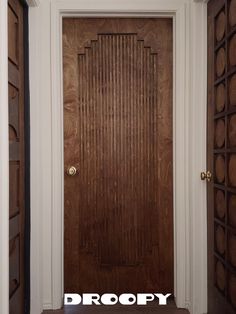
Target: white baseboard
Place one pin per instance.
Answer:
(47, 306)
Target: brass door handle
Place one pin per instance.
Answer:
(71, 171)
(206, 176)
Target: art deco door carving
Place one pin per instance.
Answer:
(118, 137)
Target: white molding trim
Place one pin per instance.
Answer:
(35, 164)
(33, 3)
(198, 157)
(4, 162)
(189, 143)
(201, 1)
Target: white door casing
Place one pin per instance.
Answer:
(189, 124)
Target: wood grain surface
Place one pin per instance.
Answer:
(232, 90)
(220, 204)
(220, 97)
(221, 157)
(151, 308)
(118, 134)
(220, 25)
(16, 156)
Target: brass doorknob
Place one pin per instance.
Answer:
(71, 171)
(206, 176)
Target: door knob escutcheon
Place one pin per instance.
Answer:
(71, 171)
(206, 176)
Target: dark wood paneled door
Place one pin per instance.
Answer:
(222, 156)
(118, 137)
(16, 156)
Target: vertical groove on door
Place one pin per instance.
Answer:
(117, 100)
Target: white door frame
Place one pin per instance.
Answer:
(189, 136)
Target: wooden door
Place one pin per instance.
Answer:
(118, 135)
(16, 156)
(222, 156)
